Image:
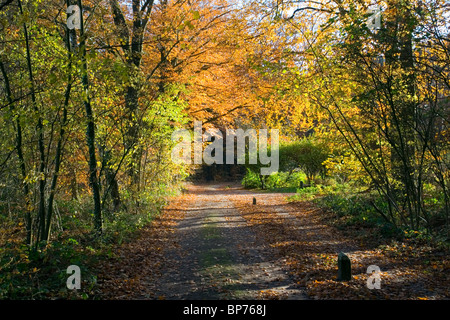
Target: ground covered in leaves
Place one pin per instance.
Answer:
(297, 236)
(136, 264)
(305, 236)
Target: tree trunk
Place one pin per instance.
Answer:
(111, 185)
(404, 119)
(90, 132)
(42, 176)
(19, 149)
(132, 48)
(59, 148)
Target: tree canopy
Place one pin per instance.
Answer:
(87, 113)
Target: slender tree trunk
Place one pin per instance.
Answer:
(90, 132)
(59, 148)
(42, 177)
(132, 39)
(407, 114)
(19, 149)
(402, 117)
(111, 185)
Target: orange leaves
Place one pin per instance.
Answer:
(409, 270)
(132, 272)
(271, 295)
(296, 236)
(201, 46)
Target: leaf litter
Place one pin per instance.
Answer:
(297, 236)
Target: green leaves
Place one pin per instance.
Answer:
(306, 154)
(189, 25)
(196, 15)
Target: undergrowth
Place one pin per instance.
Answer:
(356, 210)
(40, 272)
(354, 206)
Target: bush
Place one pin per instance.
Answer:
(41, 273)
(308, 193)
(295, 179)
(358, 210)
(306, 154)
(344, 168)
(251, 180)
(278, 181)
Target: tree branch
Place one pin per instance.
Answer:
(308, 8)
(5, 4)
(224, 114)
(121, 24)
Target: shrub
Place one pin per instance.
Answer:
(251, 180)
(276, 181)
(306, 154)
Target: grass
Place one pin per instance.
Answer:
(209, 229)
(213, 257)
(217, 262)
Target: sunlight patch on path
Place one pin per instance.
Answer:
(219, 256)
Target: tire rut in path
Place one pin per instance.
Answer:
(219, 256)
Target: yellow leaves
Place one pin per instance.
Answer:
(34, 176)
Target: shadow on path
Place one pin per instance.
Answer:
(218, 254)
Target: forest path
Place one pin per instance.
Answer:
(213, 243)
(218, 255)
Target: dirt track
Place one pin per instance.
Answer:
(218, 255)
(213, 243)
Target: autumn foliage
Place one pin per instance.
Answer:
(87, 115)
